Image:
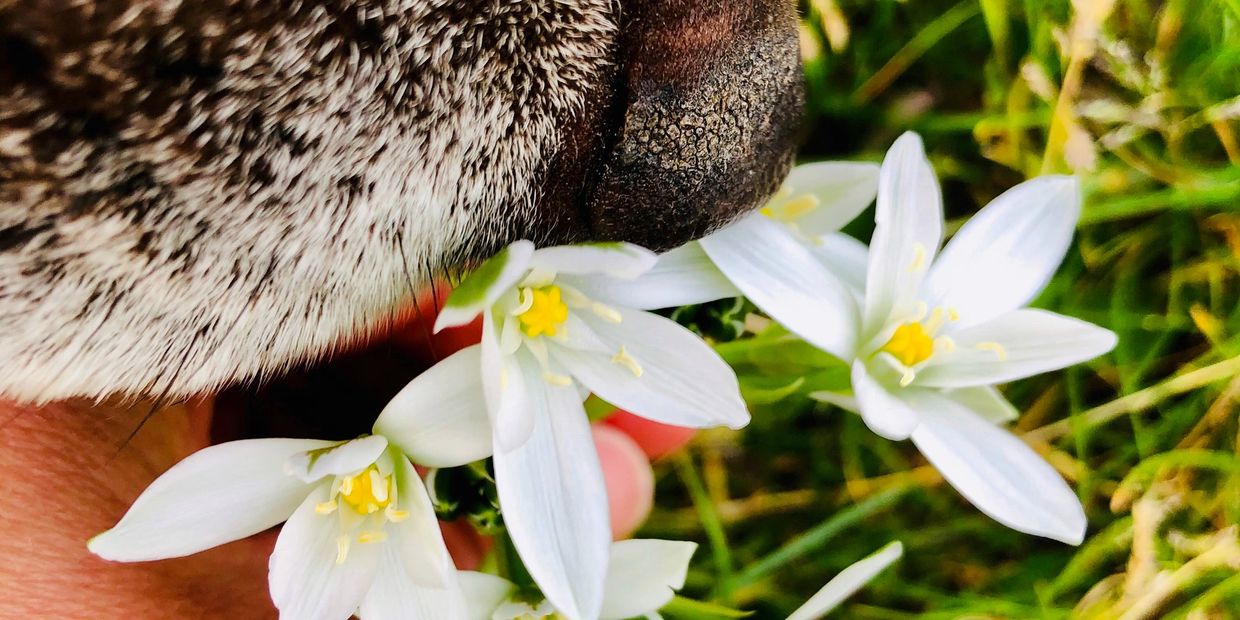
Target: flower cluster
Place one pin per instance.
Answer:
(927, 335)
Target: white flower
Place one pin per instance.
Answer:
(788, 258)
(643, 575)
(935, 334)
(361, 535)
(550, 330)
(848, 582)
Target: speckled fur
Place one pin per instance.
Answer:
(198, 192)
(195, 193)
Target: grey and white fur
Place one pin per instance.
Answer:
(194, 194)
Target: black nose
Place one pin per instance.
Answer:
(713, 100)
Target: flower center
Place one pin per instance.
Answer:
(367, 492)
(544, 311)
(910, 344)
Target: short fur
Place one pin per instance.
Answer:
(194, 193)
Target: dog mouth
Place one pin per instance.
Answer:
(340, 396)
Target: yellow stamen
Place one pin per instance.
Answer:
(394, 515)
(952, 315)
(906, 379)
(919, 258)
(546, 312)
(342, 548)
(367, 492)
(993, 347)
(607, 313)
(524, 302)
(623, 358)
(557, 380)
(910, 344)
(372, 537)
(945, 344)
(325, 508)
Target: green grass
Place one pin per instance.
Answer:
(1145, 108)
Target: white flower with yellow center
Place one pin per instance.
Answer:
(934, 334)
(360, 535)
(545, 341)
(643, 575)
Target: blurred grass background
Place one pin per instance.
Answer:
(1140, 99)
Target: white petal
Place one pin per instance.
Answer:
(393, 596)
(1016, 345)
(341, 459)
(670, 375)
(996, 471)
(216, 495)
(882, 411)
(1004, 256)
(778, 274)
(418, 538)
(681, 277)
(985, 401)
(908, 226)
(482, 287)
(484, 593)
(555, 504)
(505, 391)
(306, 582)
(618, 260)
(417, 579)
(440, 418)
(844, 190)
(848, 582)
(846, 257)
(643, 575)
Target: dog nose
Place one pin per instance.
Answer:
(713, 95)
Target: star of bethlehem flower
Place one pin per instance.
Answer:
(643, 575)
(360, 535)
(552, 332)
(937, 331)
(928, 338)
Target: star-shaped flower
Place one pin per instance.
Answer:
(551, 333)
(360, 535)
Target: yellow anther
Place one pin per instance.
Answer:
(910, 344)
(793, 209)
(325, 508)
(367, 492)
(623, 358)
(394, 515)
(906, 379)
(607, 313)
(945, 344)
(919, 258)
(952, 315)
(993, 347)
(342, 548)
(525, 301)
(546, 312)
(372, 537)
(556, 379)
(935, 321)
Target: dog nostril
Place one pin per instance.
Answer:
(714, 100)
